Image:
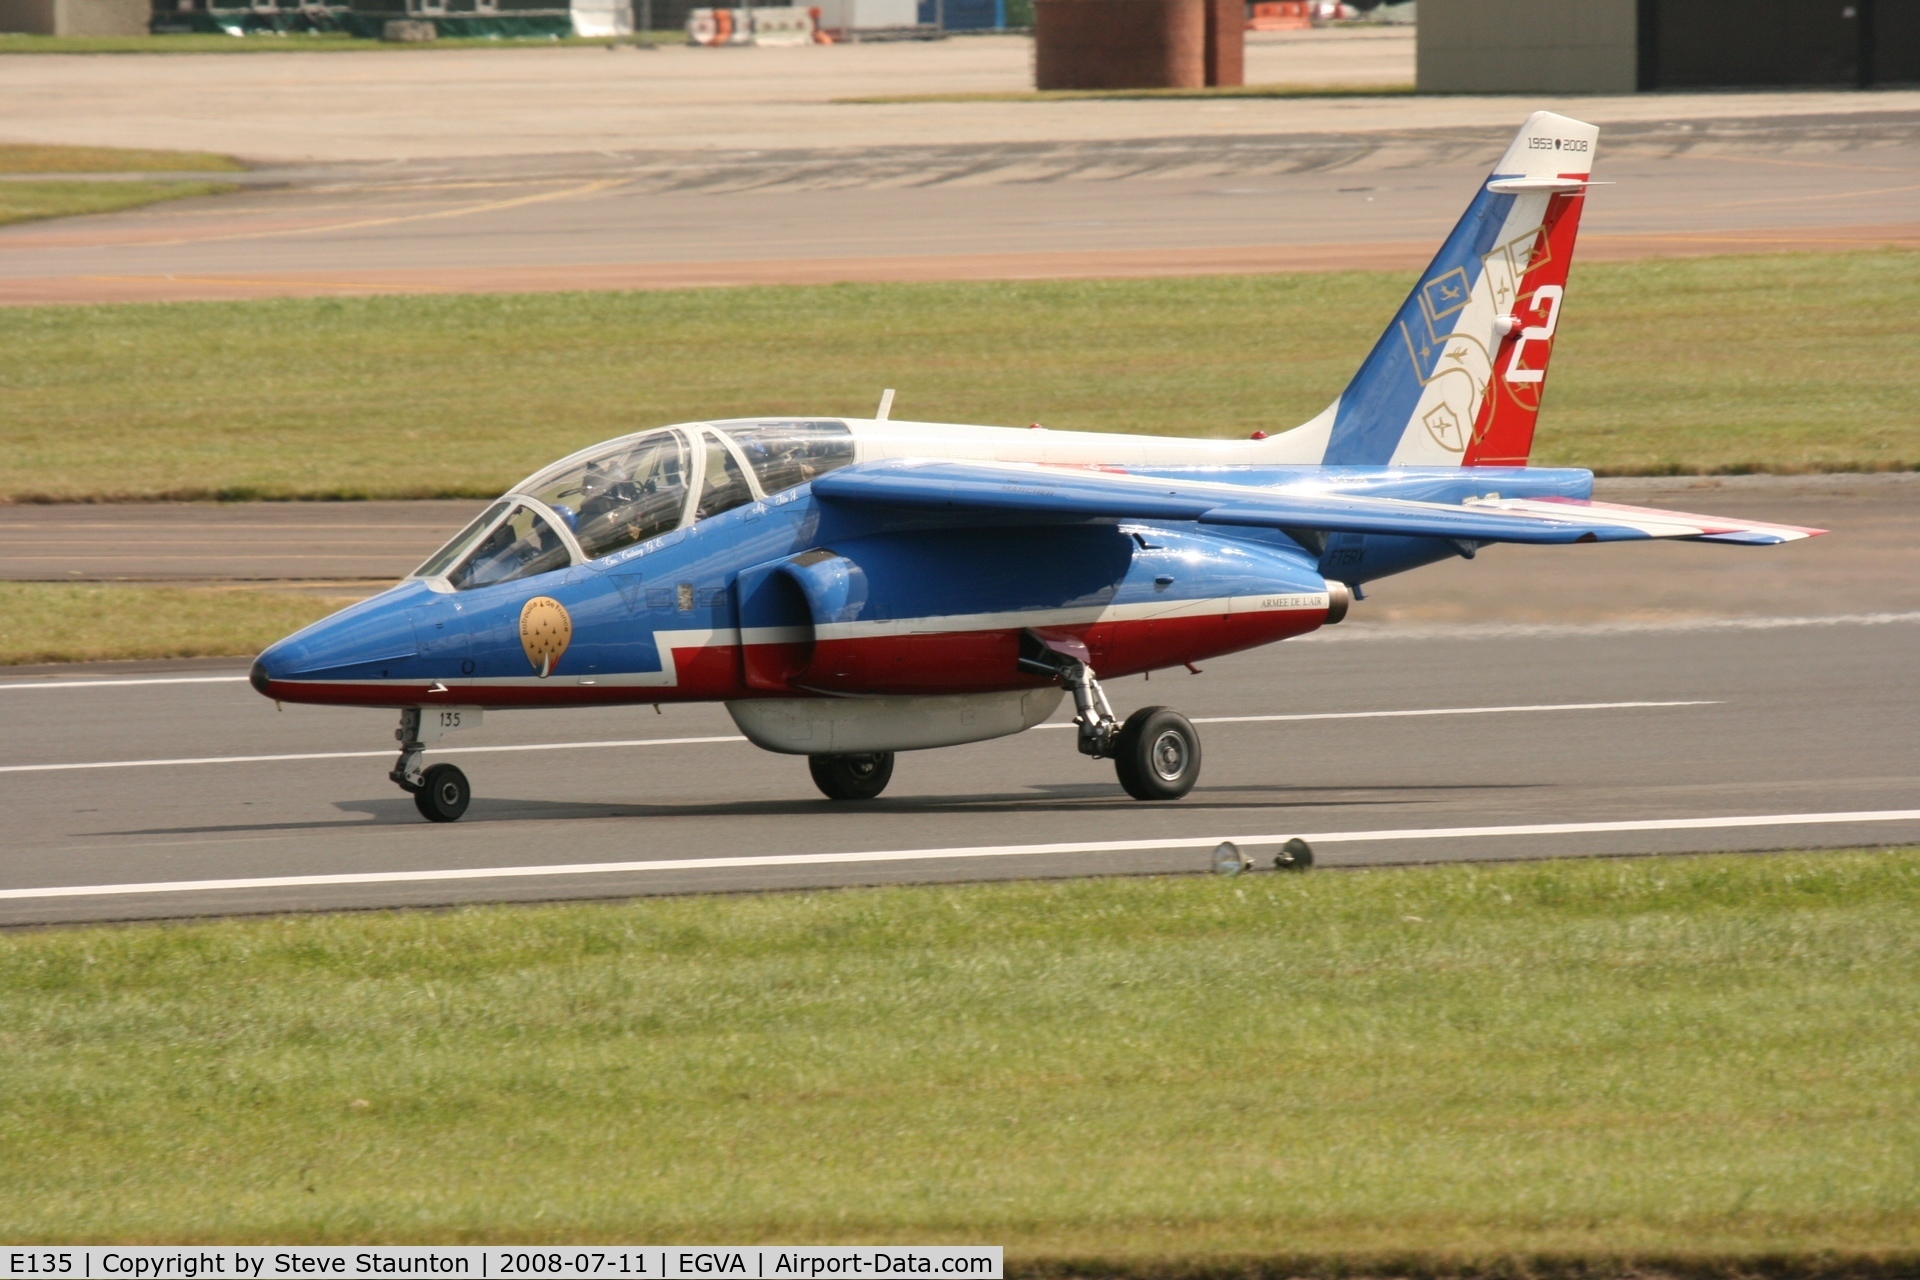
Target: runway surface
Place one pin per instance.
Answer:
(1378, 193)
(110, 783)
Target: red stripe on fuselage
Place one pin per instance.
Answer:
(1503, 434)
(933, 662)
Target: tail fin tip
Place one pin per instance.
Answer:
(1456, 378)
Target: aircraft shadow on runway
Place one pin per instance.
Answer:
(1059, 798)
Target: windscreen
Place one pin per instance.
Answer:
(524, 545)
(633, 490)
(461, 543)
(786, 452)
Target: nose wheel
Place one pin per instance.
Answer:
(440, 792)
(443, 795)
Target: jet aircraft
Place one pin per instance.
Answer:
(852, 588)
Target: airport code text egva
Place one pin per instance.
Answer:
(642, 1262)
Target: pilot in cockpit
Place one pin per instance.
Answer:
(604, 490)
(518, 546)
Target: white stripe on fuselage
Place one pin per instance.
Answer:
(669, 642)
(968, 442)
(1090, 615)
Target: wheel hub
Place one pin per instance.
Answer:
(1169, 755)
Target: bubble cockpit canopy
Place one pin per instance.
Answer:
(635, 488)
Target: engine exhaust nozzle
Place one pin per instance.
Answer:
(1339, 600)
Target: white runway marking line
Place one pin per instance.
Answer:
(734, 737)
(933, 855)
(1369, 631)
(1437, 711)
(120, 684)
(363, 755)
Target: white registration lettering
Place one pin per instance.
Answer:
(1545, 298)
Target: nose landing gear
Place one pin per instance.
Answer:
(441, 793)
(1156, 753)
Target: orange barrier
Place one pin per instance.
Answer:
(776, 25)
(1280, 15)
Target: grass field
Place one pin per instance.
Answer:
(53, 198)
(26, 157)
(1789, 362)
(27, 201)
(1688, 1056)
(75, 622)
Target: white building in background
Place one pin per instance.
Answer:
(868, 15)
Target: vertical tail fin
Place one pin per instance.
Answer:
(1456, 378)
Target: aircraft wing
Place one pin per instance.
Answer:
(1061, 491)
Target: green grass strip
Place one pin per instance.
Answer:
(1794, 362)
(34, 158)
(27, 201)
(1691, 1057)
(86, 622)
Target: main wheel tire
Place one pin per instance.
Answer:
(852, 777)
(444, 795)
(1157, 754)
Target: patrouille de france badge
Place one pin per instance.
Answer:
(546, 629)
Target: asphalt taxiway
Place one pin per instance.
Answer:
(176, 790)
(1375, 194)
(578, 169)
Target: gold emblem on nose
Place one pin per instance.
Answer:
(546, 629)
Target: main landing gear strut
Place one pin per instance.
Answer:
(440, 791)
(1155, 753)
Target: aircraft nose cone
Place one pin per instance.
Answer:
(278, 661)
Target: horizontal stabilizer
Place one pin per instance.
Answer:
(1662, 524)
(1540, 186)
(1015, 488)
